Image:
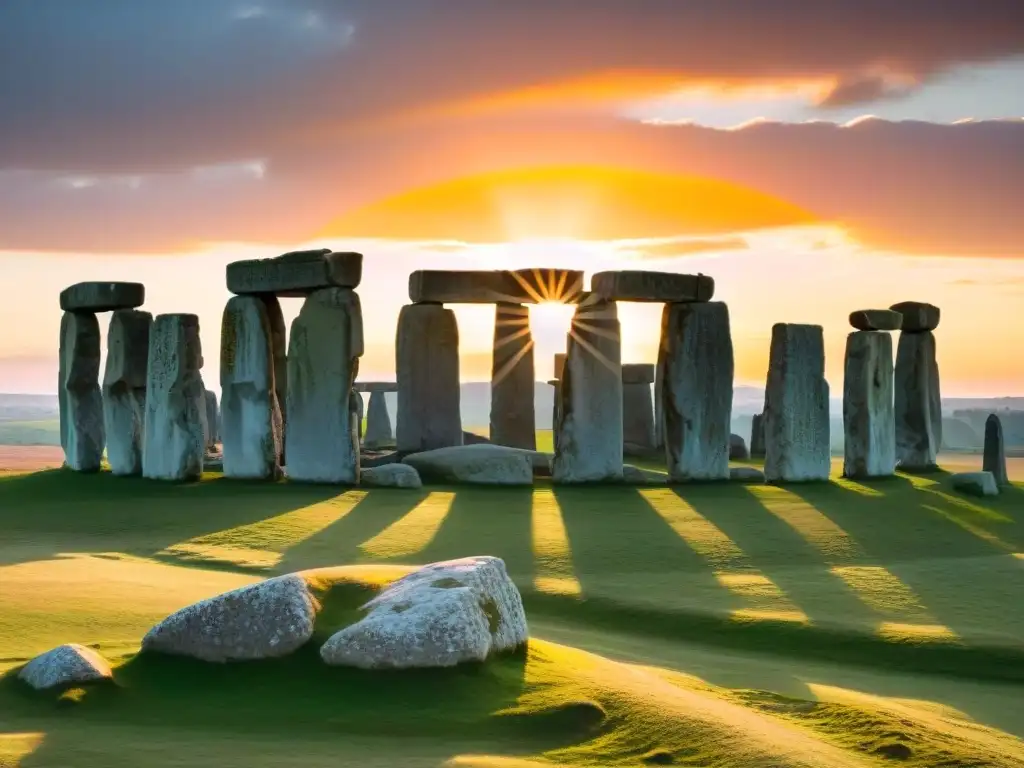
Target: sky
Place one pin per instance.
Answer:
(813, 157)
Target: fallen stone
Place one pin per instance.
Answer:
(638, 373)
(65, 665)
(975, 483)
(636, 476)
(637, 418)
(869, 425)
(917, 316)
(265, 620)
(297, 274)
(391, 476)
(378, 422)
(917, 402)
(660, 287)
(757, 436)
(738, 448)
(369, 460)
(323, 359)
(173, 445)
(697, 358)
(79, 399)
(513, 420)
(994, 458)
(427, 354)
(253, 429)
(474, 464)
(124, 389)
(438, 616)
(746, 475)
(102, 297)
(212, 420)
(376, 386)
(588, 429)
(876, 320)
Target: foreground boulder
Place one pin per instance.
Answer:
(479, 464)
(65, 665)
(975, 483)
(260, 621)
(391, 476)
(439, 616)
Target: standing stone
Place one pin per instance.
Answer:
(588, 430)
(323, 360)
(994, 459)
(659, 411)
(697, 358)
(918, 402)
(212, 419)
(868, 418)
(427, 362)
(637, 408)
(124, 389)
(81, 405)
(378, 423)
(513, 420)
(173, 440)
(204, 417)
(252, 428)
(757, 436)
(279, 345)
(355, 409)
(796, 419)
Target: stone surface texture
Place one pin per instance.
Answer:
(697, 359)
(438, 616)
(474, 464)
(102, 297)
(796, 418)
(513, 420)
(868, 418)
(173, 444)
(298, 273)
(124, 389)
(525, 286)
(378, 423)
(588, 429)
(321, 434)
(876, 320)
(79, 399)
(279, 345)
(757, 436)
(391, 476)
(659, 411)
(918, 404)
(264, 620)
(738, 448)
(917, 316)
(637, 417)
(65, 665)
(975, 483)
(427, 353)
(253, 430)
(638, 285)
(994, 457)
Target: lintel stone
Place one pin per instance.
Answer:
(876, 320)
(102, 297)
(637, 373)
(296, 274)
(524, 286)
(917, 316)
(375, 386)
(658, 287)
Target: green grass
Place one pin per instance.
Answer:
(881, 617)
(41, 432)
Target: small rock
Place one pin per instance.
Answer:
(64, 665)
(746, 475)
(975, 483)
(391, 476)
(917, 316)
(478, 464)
(876, 320)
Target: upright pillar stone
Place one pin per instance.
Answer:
(994, 458)
(588, 431)
(868, 418)
(212, 420)
(637, 408)
(81, 404)
(323, 360)
(556, 382)
(757, 436)
(918, 401)
(513, 419)
(697, 358)
(427, 362)
(124, 389)
(659, 413)
(252, 428)
(173, 442)
(796, 419)
(378, 422)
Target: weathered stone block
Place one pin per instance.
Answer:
(124, 389)
(378, 423)
(279, 345)
(757, 436)
(697, 359)
(78, 388)
(917, 316)
(464, 287)
(868, 418)
(975, 483)
(738, 448)
(796, 419)
(918, 404)
(513, 421)
(876, 320)
(637, 417)
(298, 273)
(638, 285)
(212, 420)
(102, 297)
(994, 458)
(475, 465)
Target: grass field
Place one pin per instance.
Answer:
(841, 624)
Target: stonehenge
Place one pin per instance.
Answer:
(124, 389)
(918, 405)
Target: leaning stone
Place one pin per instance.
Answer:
(265, 620)
(994, 458)
(638, 373)
(173, 444)
(296, 274)
(917, 402)
(438, 616)
(513, 419)
(975, 483)
(588, 431)
(376, 386)
(796, 418)
(102, 297)
(124, 389)
(868, 419)
(746, 475)
(637, 418)
(757, 436)
(212, 420)
(697, 358)
(876, 320)
(917, 316)
(323, 359)
(252, 424)
(391, 476)
(65, 665)
(474, 464)
(427, 353)
(738, 448)
(660, 287)
(79, 399)
(378, 423)
(465, 287)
